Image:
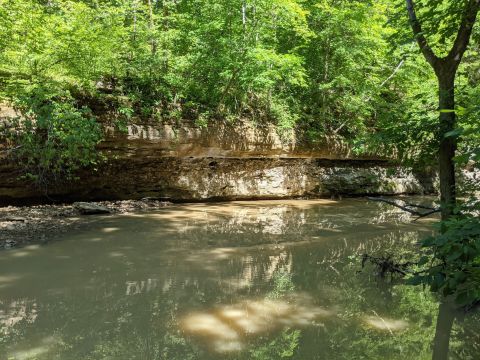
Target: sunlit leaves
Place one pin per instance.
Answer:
(453, 258)
(337, 68)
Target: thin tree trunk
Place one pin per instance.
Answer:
(448, 144)
(445, 69)
(166, 27)
(244, 17)
(134, 21)
(151, 26)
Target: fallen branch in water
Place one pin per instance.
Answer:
(386, 264)
(9, 150)
(407, 207)
(434, 211)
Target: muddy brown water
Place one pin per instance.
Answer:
(242, 280)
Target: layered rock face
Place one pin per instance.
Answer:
(223, 161)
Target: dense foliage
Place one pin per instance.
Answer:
(453, 255)
(346, 69)
(454, 258)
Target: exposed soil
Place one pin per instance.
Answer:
(20, 226)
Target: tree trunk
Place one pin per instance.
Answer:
(448, 144)
(445, 69)
(151, 25)
(441, 343)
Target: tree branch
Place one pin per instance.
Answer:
(407, 207)
(464, 32)
(419, 36)
(386, 264)
(397, 69)
(428, 213)
(396, 204)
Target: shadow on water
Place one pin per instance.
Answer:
(263, 280)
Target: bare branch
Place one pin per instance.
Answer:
(407, 207)
(396, 204)
(419, 206)
(397, 69)
(399, 66)
(428, 213)
(419, 36)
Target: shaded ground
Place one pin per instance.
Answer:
(25, 225)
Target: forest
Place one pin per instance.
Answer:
(346, 69)
(395, 80)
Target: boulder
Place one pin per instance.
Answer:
(86, 208)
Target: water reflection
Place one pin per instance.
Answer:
(225, 328)
(443, 331)
(264, 280)
(390, 325)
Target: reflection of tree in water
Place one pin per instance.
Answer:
(466, 329)
(456, 334)
(421, 314)
(16, 316)
(137, 314)
(279, 223)
(129, 327)
(144, 324)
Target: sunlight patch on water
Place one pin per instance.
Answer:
(224, 329)
(20, 254)
(16, 312)
(110, 229)
(114, 254)
(26, 251)
(33, 353)
(385, 324)
(8, 278)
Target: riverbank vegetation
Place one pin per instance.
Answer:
(346, 69)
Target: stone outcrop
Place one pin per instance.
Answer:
(86, 208)
(221, 139)
(223, 161)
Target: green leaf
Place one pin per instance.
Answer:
(454, 133)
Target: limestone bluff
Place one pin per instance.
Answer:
(223, 161)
